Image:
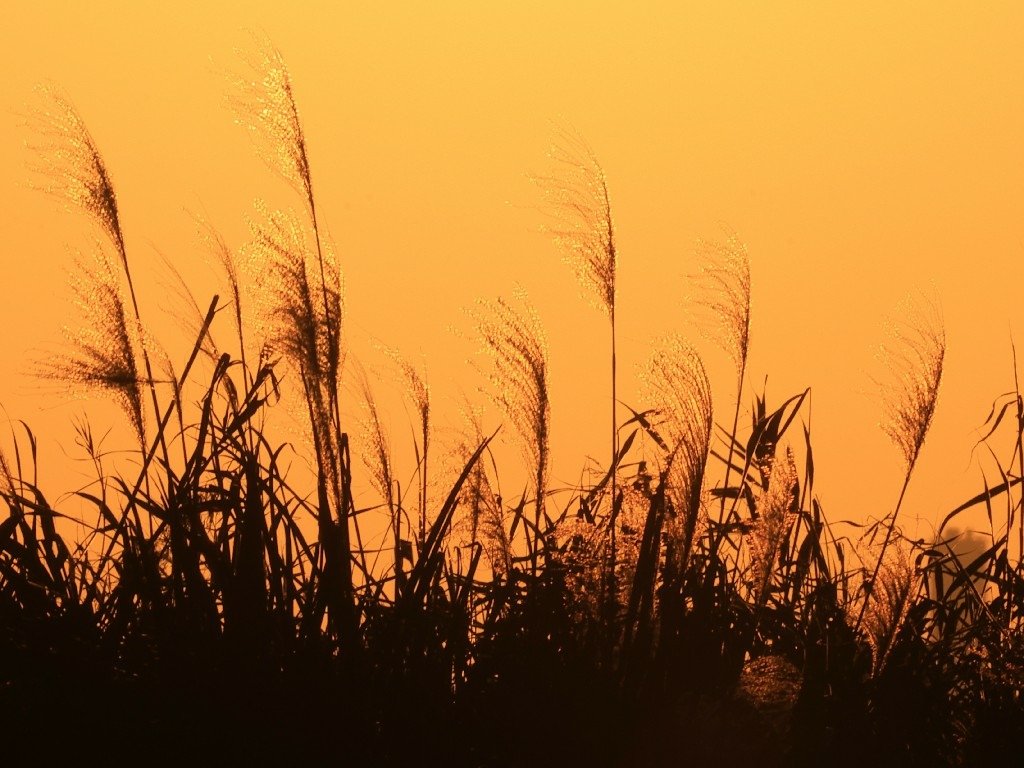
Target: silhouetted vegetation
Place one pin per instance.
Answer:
(691, 605)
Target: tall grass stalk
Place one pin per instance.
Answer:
(418, 390)
(306, 282)
(724, 291)
(76, 173)
(914, 358)
(578, 200)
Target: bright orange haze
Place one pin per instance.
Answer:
(860, 152)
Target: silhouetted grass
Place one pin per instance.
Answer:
(693, 605)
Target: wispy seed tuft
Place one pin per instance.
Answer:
(576, 197)
(913, 357)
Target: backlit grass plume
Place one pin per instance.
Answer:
(724, 290)
(102, 355)
(892, 597)
(576, 196)
(483, 517)
(264, 104)
(723, 284)
(305, 314)
(71, 165)
(303, 302)
(307, 280)
(515, 344)
(777, 511)
(677, 385)
(74, 171)
(914, 357)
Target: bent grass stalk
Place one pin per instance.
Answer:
(578, 201)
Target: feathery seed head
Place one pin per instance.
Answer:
(913, 358)
(483, 519)
(415, 381)
(377, 459)
(777, 510)
(576, 198)
(724, 284)
(103, 349)
(305, 329)
(676, 383)
(265, 105)
(890, 602)
(73, 166)
(514, 342)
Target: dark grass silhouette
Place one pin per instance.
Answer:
(693, 606)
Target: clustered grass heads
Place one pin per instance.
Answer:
(265, 104)
(515, 344)
(303, 306)
(102, 354)
(227, 592)
(305, 319)
(74, 170)
(679, 420)
(677, 384)
(913, 357)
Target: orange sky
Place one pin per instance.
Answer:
(860, 151)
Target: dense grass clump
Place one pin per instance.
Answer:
(691, 604)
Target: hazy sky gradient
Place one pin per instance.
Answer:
(860, 150)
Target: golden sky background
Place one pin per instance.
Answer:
(860, 150)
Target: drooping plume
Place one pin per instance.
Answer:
(72, 167)
(103, 349)
(302, 302)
